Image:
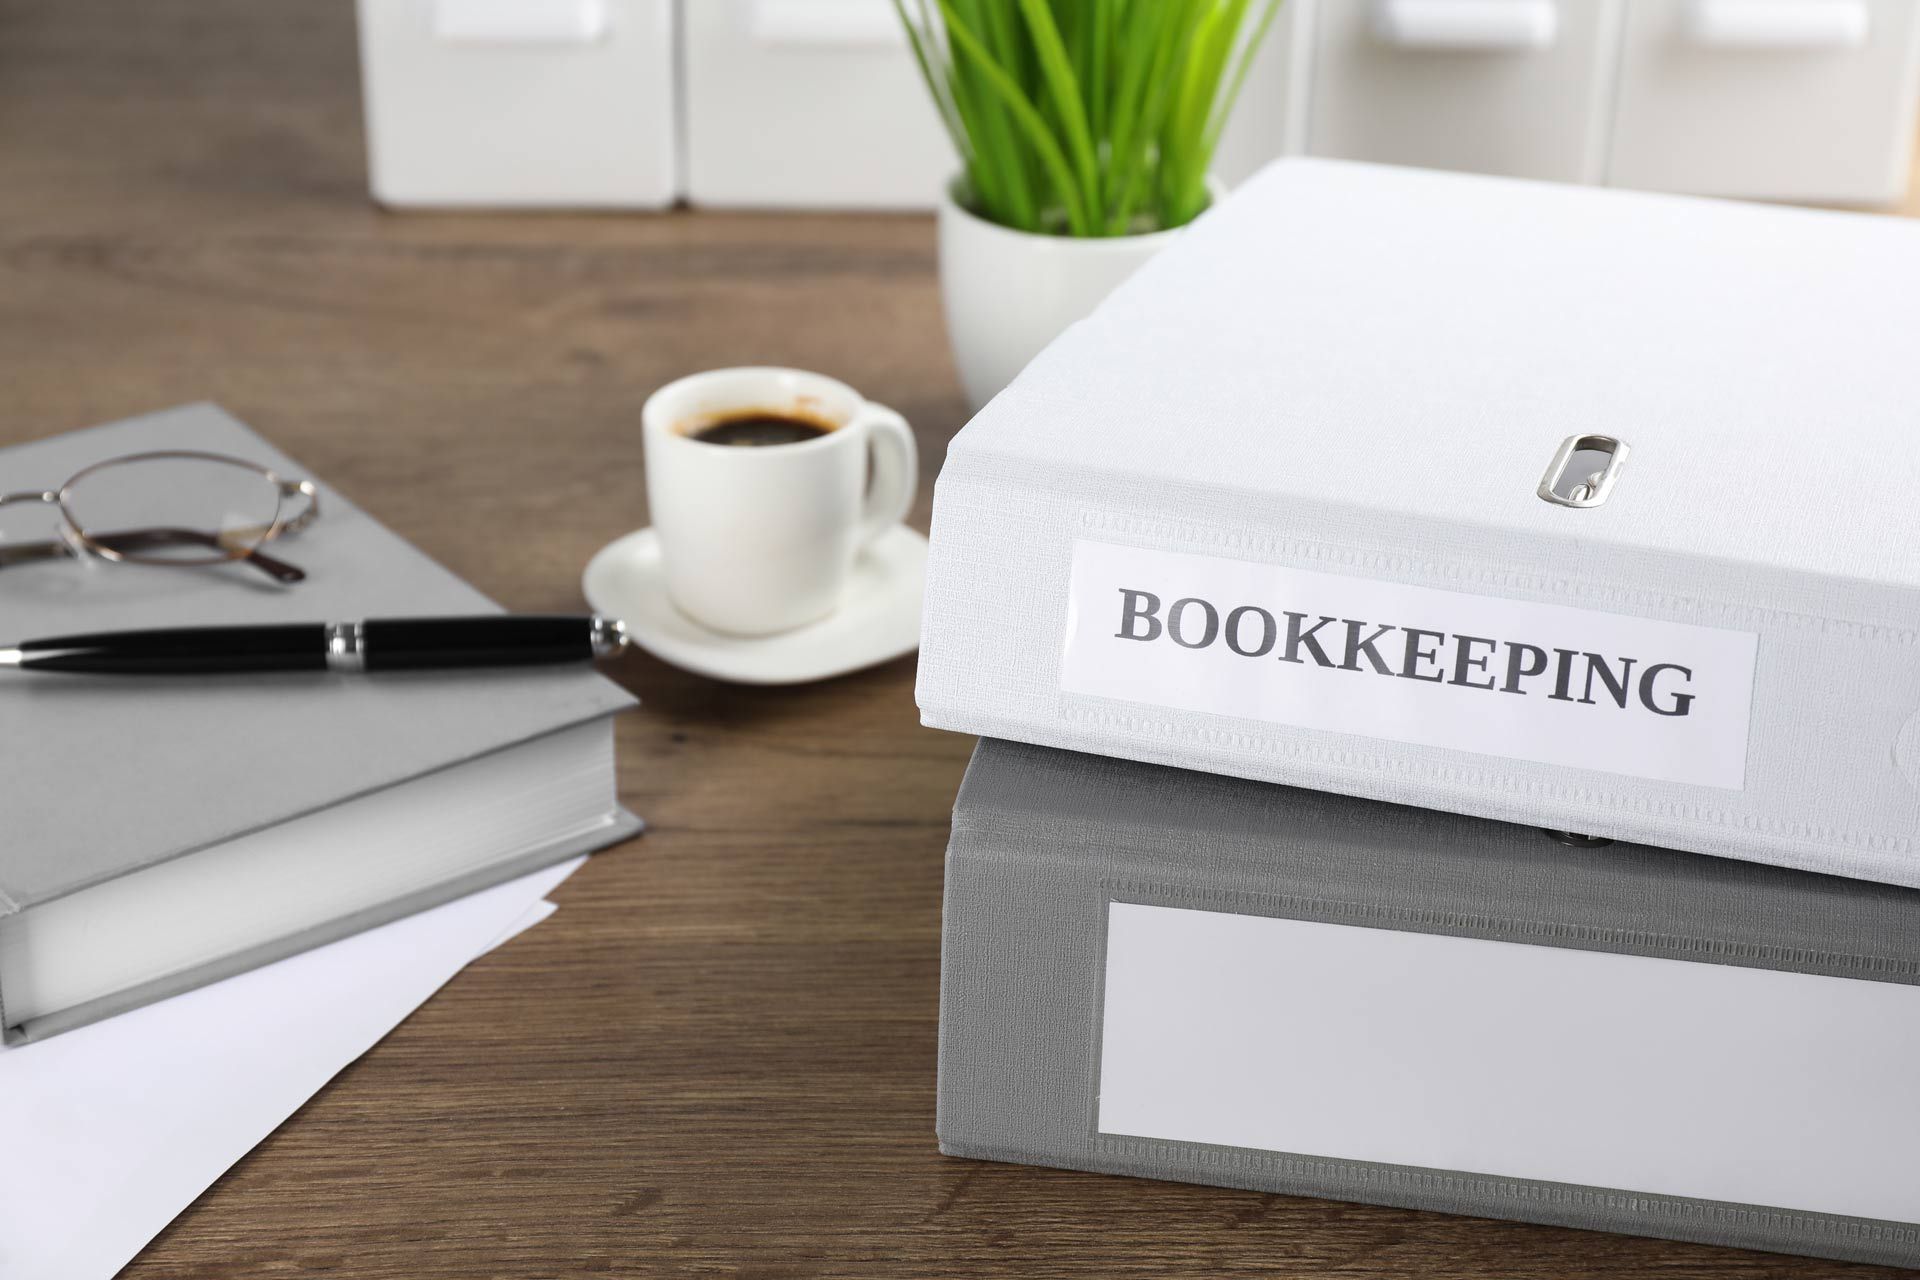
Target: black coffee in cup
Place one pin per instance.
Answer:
(759, 430)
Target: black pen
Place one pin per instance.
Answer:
(377, 644)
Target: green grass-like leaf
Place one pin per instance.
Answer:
(1085, 117)
(1030, 125)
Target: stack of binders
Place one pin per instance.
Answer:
(1448, 651)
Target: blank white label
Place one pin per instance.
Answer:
(1662, 1076)
(1541, 682)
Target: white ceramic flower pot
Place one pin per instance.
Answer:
(1009, 293)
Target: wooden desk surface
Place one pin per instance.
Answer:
(718, 1059)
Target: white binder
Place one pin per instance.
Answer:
(1584, 509)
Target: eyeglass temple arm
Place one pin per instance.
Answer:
(135, 539)
(138, 539)
(12, 553)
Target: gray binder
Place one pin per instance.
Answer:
(1789, 1091)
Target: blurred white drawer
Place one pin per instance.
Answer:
(1270, 116)
(513, 103)
(1780, 99)
(810, 103)
(1495, 86)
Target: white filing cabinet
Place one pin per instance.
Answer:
(1270, 117)
(1494, 86)
(809, 103)
(500, 103)
(1781, 99)
(1810, 100)
(817, 103)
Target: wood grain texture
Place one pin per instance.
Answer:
(718, 1060)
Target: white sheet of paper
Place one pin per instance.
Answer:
(113, 1129)
(1746, 1085)
(532, 916)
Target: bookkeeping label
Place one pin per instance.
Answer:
(1524, 681)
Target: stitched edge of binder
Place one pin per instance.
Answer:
(1508, 576)
(1503, 1191)
(1078, 709)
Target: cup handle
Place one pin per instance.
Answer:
(894, 466)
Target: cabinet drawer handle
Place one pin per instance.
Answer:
(1466, 24)
(844, 24)
(519, 21)
(1779, 24)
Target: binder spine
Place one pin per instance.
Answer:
(1831, 776)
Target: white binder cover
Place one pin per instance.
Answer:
(1275, 510)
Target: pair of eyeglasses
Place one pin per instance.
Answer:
(174, 508)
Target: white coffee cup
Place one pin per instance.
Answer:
(757, 540)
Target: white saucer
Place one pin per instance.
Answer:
(879, 620)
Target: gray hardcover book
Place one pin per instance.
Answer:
(1180, 975)
(159, 833)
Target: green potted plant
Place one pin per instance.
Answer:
(1086, 131)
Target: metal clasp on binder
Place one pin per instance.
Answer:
(1572, 481)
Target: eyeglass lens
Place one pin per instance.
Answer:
(174, 510)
